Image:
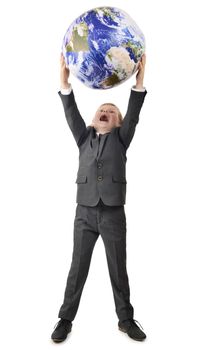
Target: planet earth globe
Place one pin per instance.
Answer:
(102, 47)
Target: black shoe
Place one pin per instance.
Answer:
(63, 327)
(131, 328)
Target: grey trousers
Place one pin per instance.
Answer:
(89, 223)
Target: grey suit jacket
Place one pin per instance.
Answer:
(102, 160)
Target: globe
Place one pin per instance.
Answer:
(102, 47)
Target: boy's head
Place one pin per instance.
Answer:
(107, 116)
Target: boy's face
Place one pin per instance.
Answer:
(106, 118)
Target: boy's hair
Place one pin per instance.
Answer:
(119, 113)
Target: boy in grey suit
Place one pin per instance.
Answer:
(101, 191)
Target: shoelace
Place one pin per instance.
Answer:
(56, 324)
(60, 321)
(133, 322)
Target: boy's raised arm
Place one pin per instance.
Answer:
(136, 100)
(73, 117)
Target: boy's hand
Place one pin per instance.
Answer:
(140, 73)
(64, 73)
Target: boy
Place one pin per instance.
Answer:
(101, 191)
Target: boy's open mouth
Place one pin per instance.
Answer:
(103, 118)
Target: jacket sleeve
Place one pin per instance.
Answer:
(127, 129)
(73, 117)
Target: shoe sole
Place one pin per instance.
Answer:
(124, 331)
(60, 340)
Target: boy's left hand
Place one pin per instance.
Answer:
(140, 73)
(64, 73)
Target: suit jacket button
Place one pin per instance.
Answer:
(99, 178)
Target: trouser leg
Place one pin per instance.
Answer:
(112, 228)
(84, 241)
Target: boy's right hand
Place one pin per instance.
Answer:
(140, 72)
(64, 73)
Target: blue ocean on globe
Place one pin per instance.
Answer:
(102, 47)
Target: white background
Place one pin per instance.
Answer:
(165, 172)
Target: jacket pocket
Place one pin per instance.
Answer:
(81, 179)
(120, 179)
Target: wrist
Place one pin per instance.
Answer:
(65, 85)
(139, 86)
